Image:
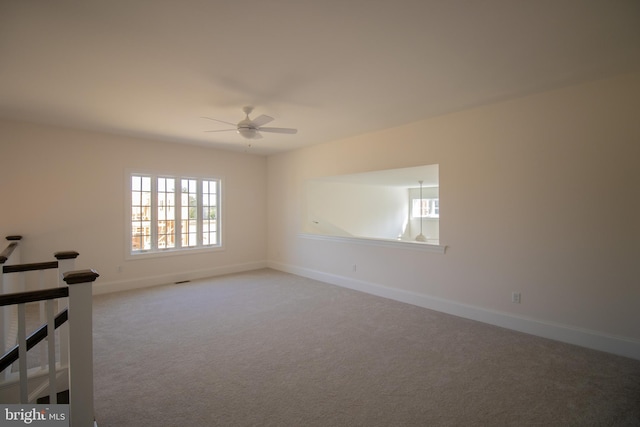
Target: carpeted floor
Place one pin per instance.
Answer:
(266, 348)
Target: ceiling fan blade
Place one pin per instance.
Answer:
(220, 121)
(257, 135)
(279, 130)
(262, 120)
(220, 130)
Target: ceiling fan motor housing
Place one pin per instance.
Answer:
(247, 131)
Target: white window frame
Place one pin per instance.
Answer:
(154, 251)
(433, 205)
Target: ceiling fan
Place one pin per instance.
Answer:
(251, 129)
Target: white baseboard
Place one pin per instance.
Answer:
(582, 337)
(165, 279)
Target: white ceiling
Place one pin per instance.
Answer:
(331, 68)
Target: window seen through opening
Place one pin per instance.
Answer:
(425, 208)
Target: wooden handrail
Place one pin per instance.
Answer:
(4, 256)
(32, 296)
(30, 267)
(34, 339)
(10, 248)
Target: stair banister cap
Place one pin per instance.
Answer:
(80, 276)
(66, 255)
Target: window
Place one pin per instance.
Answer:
(425, 208)
(170, 213)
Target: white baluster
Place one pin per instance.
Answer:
(22, 354)
(51, 341)
(43, 316)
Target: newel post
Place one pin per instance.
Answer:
(66, 262)
(81, 346)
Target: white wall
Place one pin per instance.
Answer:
(538, 195)
(65, 190)
(355, 209)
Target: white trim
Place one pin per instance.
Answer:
(100, 288)
(622, 346)
(173, 252)
(418, 246)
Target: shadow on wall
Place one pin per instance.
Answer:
(321, 226)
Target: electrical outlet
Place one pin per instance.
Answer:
(515, 297)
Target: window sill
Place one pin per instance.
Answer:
(369, 241)
(172, 252)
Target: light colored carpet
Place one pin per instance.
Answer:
(266, 348)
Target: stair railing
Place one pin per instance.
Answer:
(10, 255)
(65, 261)
(19, 351)
(80, 321)
(73, 300)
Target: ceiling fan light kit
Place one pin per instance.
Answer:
(250, 129)
(247, 132)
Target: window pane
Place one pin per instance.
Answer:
(209, 213)
(140, 213)
(425, 208)
(189, 233)
(166, 213)
(189, 213)
(145, 198)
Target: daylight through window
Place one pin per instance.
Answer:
(425, 208)
(173, 213)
